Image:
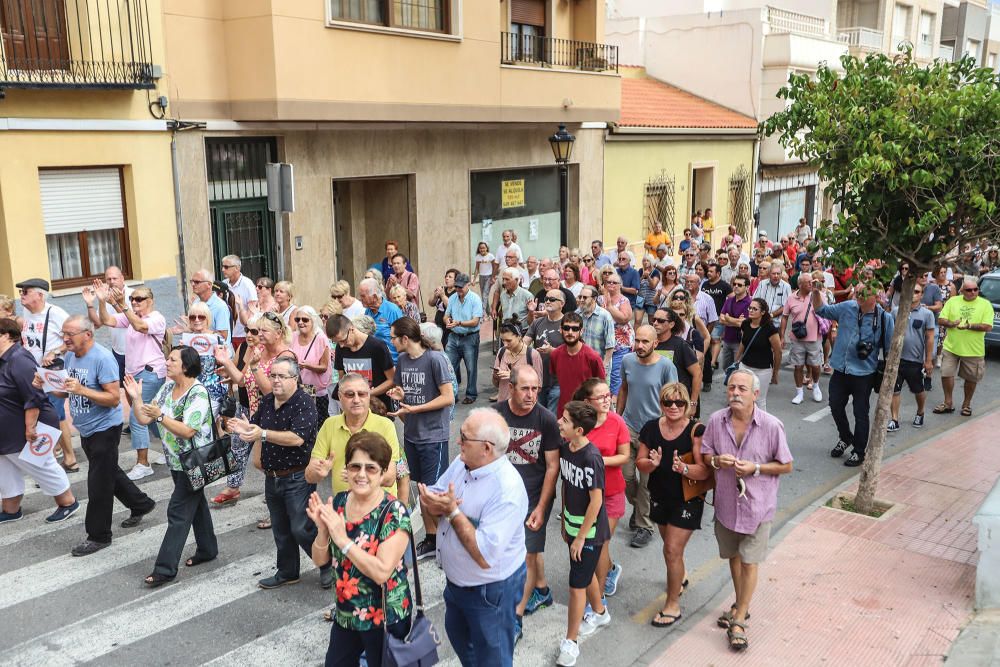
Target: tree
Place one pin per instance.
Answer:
(911, 156)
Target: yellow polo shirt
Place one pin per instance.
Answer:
(333, 437)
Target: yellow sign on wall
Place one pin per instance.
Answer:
(512, 193)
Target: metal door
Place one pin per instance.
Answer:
(245, 228)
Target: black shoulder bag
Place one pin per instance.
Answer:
(799, 329)
(733, 367)
(208, 463)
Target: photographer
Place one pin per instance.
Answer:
(864, 329)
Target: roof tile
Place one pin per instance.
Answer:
(650, 103)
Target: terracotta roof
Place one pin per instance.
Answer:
(650, 103)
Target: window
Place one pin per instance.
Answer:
(991, 61)
(84, 217)
(658, 204)
(926, 35)
(428, 15)
(972, 49)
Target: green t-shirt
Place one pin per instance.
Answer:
(197, 413)
(963, 342)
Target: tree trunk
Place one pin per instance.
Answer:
(868, 485)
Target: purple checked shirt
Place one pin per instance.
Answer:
(763, 442)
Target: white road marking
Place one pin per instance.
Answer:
(818, 415)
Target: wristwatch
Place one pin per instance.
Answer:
(756, 472)
(263, 436)
(455, 512)
(159, 420)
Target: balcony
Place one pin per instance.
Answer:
(518, 49)
(75, 44)
(946, 52)
(924, 50)
(861, 39)
(782, 21)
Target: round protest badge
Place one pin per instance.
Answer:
(55, 380)
(202, 344)
(42, 445)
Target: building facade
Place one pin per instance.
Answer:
(426, 123)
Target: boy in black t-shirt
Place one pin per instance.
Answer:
(584, 524)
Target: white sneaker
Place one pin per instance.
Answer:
(817, 394)
(798, 396)
(159, 459)
(139, 471)
(569, 651)
(593, 621)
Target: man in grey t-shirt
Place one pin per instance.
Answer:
(643, 375)
(917, 359)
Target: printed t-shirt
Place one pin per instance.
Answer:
(582, 471)
(421, 379)
(531, 435)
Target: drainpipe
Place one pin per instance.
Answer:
(178, 216)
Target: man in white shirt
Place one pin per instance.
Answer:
(42, 336)
(775, 292)
(115, 279)
(244, 288)
(508, 245)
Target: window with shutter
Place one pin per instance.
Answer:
(528, 12)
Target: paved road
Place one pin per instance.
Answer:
(60, 610)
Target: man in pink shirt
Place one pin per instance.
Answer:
(806, 350)
(748, 450)
(408, 279)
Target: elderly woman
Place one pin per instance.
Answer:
(616, 303)
(340, 292)
(182, 407)
(572, 279)
(364, 532)
(312, 348)
(199, 321)
(265, 295)
(397, 295)
(661, 444)
(284, 295)
(22, 407)
(145, 329)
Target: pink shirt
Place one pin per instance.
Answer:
(795, 310)
(321, 381)
(763, 442)
(144, 349)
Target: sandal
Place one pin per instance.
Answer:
(727, 618)
(737, 638)
(664, 620)
(468, 401)
(69, 468)
(197, 560)
(944, 409)
(264, 524)
(226, 498)
(966, 411)
(328, 616)
(156, 580)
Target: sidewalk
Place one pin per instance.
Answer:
(842, 588)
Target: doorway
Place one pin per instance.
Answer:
(702, 188)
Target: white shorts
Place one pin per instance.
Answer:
(50, 476)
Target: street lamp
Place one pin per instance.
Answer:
(562, 147)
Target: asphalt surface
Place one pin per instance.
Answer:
(61, 610)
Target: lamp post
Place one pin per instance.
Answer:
(562, 147)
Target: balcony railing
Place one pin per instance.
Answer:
(75, 44)
(519, 49)
(946, 52)
(867, 39)
(924, 49)
(783, 21)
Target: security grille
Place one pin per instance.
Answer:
(659, 204)
(739, 201)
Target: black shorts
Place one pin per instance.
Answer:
(534, 540)
(682, 514)
(581, 572)
(910, 372)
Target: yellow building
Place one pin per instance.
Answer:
(85, 172)
(402, 120)
(670, 154)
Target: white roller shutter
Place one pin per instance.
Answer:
(81, 200)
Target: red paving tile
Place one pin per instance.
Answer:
(845, 589)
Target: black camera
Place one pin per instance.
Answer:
(863, 349)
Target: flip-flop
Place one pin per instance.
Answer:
(73, 468)
(943, 409)
(468, 401)
(264, 524)
(197, 560)
(966, 411)
(156, 580)
(670, 620)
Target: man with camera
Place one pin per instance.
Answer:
(806, 348)
(863, 330)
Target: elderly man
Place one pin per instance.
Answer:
(689, 262)
(462, 318)
(40, 336)
(601, 259)
(748, 450)
(282, 433)
(405, 277)
(629, 276)
(512, 300)
(546, 335)
(663, 258)
(531, 269)
(116, 280)
(598, 325)
(550, 281)
(966, 318)
(806, 351)
(864, 332)
(509, 245)
(731, 269)
(380, 309)
(775, 292)
(93, 391)
(916, 363)
(245, 291)
(621, 246)
(534, 452)
(481, 548)
(201, 285)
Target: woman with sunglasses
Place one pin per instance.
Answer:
(661, 444)
(145, 329)
(199, 321)
(649, 283)
(273, 336)
(364, 531)
(668, 283)
(312, 348)
(514, 353)
(760, 347)
(265, 296)
(587, 271)
(571, 279)
(284, 295)
(611, 437)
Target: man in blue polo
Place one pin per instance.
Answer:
(462, 318)
(381, 310)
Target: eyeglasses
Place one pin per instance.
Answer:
(753, 309)
(583, 298)
(970, 289)
(137, 299)
(463, 438)
(550, 299)
(354, 394)
(261, 286)
(198, 282)
(302, 319)
(612, 282)
(279, 376)
(659, 320)
(228, 266)
(253, 332)
(569, 327)
(197, 318)
(601, 398)
(369, 468)
(673, 403)
(70, 334)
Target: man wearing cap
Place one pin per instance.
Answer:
(42, 337)
(461, 318)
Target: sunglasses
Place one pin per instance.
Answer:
(263, 287)
(678, 297)
(253, 332)
(659, 320)
(369, 468)
(673, 403)
(137, 299)
(970, 289)
(227, 266)
(197, 318)
(301, 319)
(569, 327)
(354, 394)
(550, 299)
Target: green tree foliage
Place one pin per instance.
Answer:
(910, 156)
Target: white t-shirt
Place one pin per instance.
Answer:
(118, 335)
(485, 264)
(355, 309)
(503, 250)
(34, 327)
(247, 291)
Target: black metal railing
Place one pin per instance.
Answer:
(75, 44)
(517, 48)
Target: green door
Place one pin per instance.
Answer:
(245, 228)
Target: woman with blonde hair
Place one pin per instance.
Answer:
(284, 295)
(398, 295)
(340, 292)
(312, 348)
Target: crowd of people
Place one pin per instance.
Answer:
(601, 362)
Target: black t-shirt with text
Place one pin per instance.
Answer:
(719, 291)
(371, 360)
(530, 437)
(582, 471)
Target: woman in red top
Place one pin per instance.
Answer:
(611, 438)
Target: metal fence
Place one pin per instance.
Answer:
(548, 51)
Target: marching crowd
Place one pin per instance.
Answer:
(601, 361)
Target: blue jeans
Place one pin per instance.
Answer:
(550, 398)
(427, 460)
(150, 385)
(465, 347)
(615, 381)
(287, 499)
(480, 620)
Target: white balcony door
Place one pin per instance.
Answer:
(900, 24)
(926, 32)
